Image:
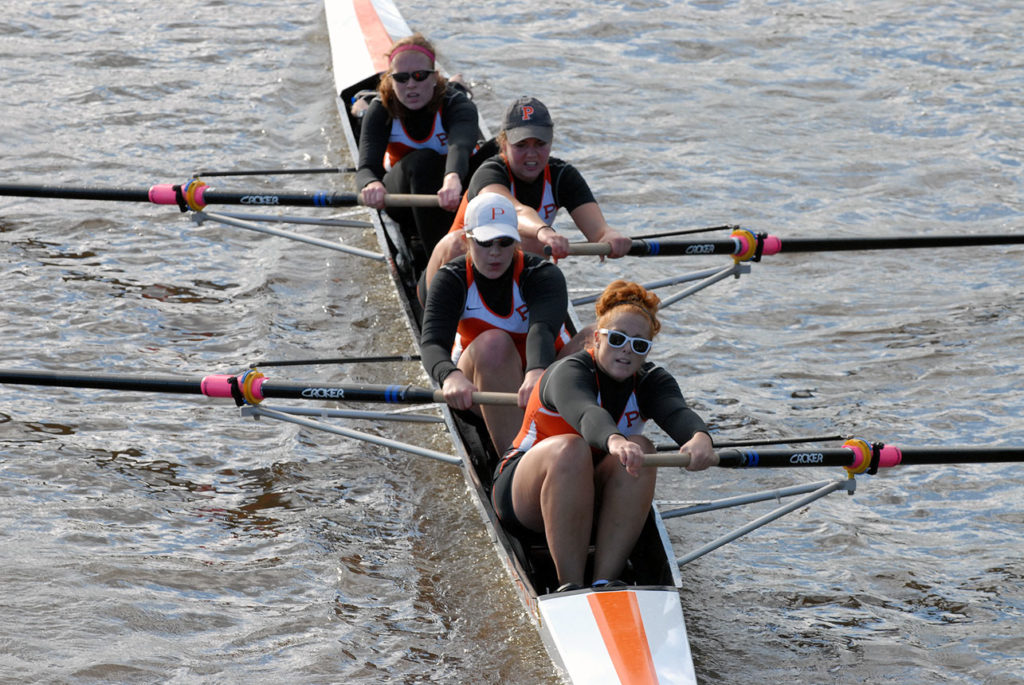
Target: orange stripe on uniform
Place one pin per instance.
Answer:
(378, 42)
(622, 628)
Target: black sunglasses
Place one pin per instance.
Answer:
(502, 242)
(418, 76)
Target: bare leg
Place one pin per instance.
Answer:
(553, 491)
(492, 364)
(624, 503)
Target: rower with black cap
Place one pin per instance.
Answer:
(538, 184)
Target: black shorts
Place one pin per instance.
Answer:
(501, 496)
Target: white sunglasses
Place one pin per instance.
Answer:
(617, 339)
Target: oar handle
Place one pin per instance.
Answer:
(660, 460)
(410, 200)
(679, 460)
(509, 399)
(589, 249)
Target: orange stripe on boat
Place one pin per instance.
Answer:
(378, 42)
(622, 627)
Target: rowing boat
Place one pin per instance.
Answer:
(845, 629)
(631, 635)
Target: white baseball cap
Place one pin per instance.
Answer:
(490, 216)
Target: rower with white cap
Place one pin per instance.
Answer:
(493, 318)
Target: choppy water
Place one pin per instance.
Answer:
(163, 539)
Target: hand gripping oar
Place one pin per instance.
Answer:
(251, 387)
(194, 195)
(744, 245)
(856, 456)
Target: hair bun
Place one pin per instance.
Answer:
(622, 293)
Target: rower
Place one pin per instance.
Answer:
(493, 318)
(417, 136)
(539, 184)
(580, 449)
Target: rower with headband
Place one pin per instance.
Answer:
(417, 136)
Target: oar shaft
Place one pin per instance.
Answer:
(164, 384)
(275, 172)
(338, 360)
(253, 388)
(959, 455)
(893, 242)
(76, 193)
(887, 457)
(664, 248)
(740, 244)
(202, 195)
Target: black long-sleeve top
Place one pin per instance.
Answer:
(570, 388)
(458, 116)
(544, 293)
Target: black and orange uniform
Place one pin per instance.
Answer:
(414, 153)
(561, 185)
(575, 396)
(528, 301)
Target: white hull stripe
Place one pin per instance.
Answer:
(374, 23)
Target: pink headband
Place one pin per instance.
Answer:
(410, 46)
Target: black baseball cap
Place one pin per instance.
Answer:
(527, 117)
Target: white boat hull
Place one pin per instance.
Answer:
(642, 632)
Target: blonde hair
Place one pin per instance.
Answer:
(386, 87)
(622, 293)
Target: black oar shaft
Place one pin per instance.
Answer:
(251, 387)
(100, 381)
(745, 245)
(856, 454)
(205, 173)
(895, 242)
(199, 195)
(76, 193)
(960, 455)
(888, 456)
(781, 458)
(338, 360)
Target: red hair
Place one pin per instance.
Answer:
(622, 293)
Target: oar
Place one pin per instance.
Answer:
(339, 360)
(195, 195)
(744, 245)
(276, 172)
(686, 231)
(672, 447)
(250, 387)
(855, 455)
